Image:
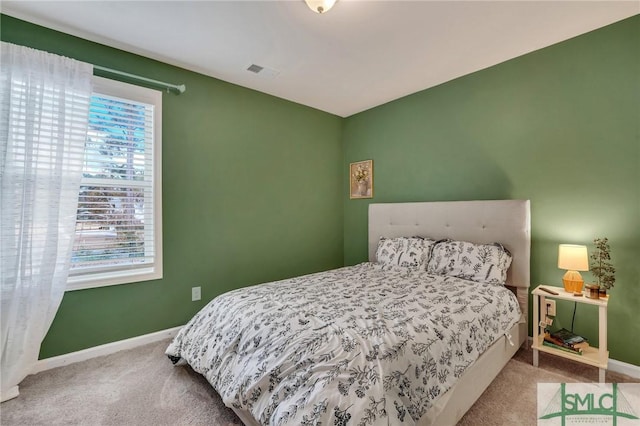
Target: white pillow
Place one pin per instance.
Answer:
(410, 252)
(487, 263)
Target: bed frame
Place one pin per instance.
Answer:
(505, 221)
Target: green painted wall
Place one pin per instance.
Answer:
(254, 186)
(251, 193)
(559, 126)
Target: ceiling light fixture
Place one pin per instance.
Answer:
(320, 6)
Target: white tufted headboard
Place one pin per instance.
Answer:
(504, 221)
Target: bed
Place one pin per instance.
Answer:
(382, 342)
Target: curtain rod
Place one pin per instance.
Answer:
(180, 88)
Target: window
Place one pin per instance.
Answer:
(118, 235)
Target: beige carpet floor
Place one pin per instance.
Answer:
(142, 387)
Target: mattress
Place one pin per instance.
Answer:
(364, 344)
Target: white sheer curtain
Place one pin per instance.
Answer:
(44, 109)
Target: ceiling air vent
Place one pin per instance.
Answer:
(255, 68)
(263, 72)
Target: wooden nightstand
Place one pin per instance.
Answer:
(598, 357)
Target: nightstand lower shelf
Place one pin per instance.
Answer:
(590, 355)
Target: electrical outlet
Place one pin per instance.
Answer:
(195, 294)
(551, 308)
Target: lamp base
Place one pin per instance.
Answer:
(573, 282)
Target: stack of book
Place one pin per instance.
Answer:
(565, 340)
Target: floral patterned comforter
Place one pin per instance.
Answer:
(361, 345)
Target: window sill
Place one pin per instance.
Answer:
(80, 282)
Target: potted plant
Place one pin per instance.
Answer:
(601, 266)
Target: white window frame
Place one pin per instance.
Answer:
(126, 274)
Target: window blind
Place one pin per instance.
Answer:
(115, 220)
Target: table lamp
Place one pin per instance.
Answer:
(573, 258)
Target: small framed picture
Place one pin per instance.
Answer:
(361, 179)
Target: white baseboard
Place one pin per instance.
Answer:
(106, 349)
(624, 368)
(615, 365)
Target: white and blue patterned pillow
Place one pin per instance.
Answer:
(486, 263)
(410, 252)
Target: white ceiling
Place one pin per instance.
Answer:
(358, 55)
